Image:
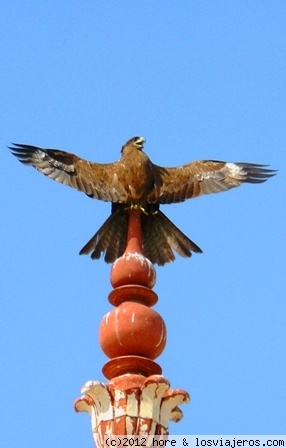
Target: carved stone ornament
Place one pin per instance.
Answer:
(131, 404)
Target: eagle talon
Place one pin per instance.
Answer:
(136, 207)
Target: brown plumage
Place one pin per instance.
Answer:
(134, 181)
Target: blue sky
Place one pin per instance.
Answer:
(199, 80)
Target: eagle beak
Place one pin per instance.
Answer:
(139, 141)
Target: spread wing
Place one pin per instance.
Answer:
(97, 180)
(203, 177)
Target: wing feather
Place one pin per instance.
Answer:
(203, 177)
(97, 180)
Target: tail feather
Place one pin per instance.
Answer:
(160, 237)
(176, 238)
(109, 239)
(155, 241)
(118, 239)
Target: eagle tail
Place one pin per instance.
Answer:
(160, 237)
(110, 239)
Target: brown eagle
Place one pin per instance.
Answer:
(134, 181)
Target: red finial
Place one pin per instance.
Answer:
(137, 400)
(132, 334)
(133, 267)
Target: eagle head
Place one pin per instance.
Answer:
(135, 142)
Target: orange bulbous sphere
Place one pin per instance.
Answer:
(133, 269)
(132, 329)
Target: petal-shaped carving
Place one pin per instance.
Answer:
(131, 405)
(169, 409)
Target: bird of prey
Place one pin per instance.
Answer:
(134, 181)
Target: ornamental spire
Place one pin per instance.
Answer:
(137, 399)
